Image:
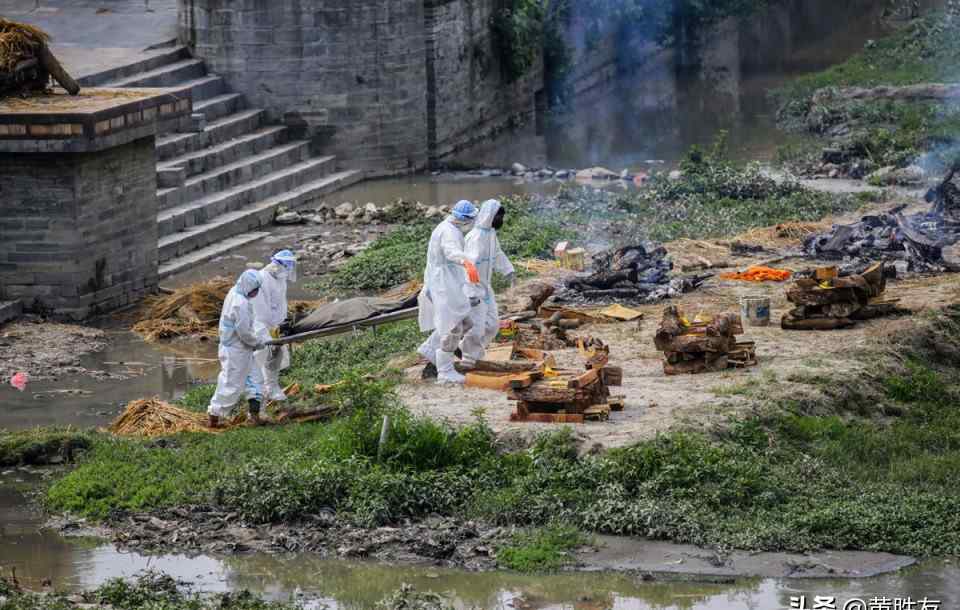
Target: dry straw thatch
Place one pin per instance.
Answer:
(18, 41)
(152, 417)
(192, 310)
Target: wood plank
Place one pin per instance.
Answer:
(591, 376)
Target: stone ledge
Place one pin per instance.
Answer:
(94, 120)
(10, 310)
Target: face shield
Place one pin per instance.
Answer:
(288, 262)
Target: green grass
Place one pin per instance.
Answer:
(41, 446)
(401, 256)
(882, 132)
(541, 550)
(719, 198)
(925, 51)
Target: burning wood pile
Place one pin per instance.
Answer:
(828, 302)
(702, 346)
(26, 63)
(918, 239)
(638, 273)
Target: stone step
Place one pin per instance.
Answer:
(198, 257)
(247, 169)
(216, 132)
(201, 89)
(164, 76)
(162, 58)
(208, 159)
(254, 216)
(200, 211)
(219, 106)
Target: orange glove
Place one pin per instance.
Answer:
(472, 274)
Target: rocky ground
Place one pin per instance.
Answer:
(198, 529)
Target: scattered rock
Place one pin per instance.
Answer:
(344, 210)
(289, 218)
(675, 175)
(518, 169)
(545, 173)
(562, 174)
(597, 173)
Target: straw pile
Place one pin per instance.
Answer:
(153, 417)
(192, 310)
(784, 234)
(18, 41)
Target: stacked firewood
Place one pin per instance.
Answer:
(825, 302)
(700, 347)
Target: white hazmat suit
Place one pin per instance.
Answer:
(483, 247)
(444, 304)
(238, 341)
(270, 310)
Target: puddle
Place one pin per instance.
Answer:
(73, 564)
(166, 371)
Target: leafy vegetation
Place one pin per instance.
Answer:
(716, 197)
(41, 446)
(884, 132)
(402, 255)
(541, 550)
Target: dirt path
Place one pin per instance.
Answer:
(656, 403)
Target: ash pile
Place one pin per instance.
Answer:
(919, 240)
(640, 273)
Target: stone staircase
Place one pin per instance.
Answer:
(220, 187)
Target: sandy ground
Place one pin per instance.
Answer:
(656, 403)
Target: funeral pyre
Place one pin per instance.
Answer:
(828, 302)
(639, 273)
(917, 239)
(702, 345)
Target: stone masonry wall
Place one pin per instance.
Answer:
(471, 101)
(386, 85)
(350, 74)
(78, 232)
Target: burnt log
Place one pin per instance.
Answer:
(528, 297)
(695, 344)
(604, 280)
(725, 325)
(788, 323)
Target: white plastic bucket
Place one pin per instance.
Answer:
(755, 311)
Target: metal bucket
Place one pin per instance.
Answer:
(755, 311)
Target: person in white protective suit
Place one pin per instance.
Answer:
(483, 247)
(444, 303)
(238, 341)
(269, 312)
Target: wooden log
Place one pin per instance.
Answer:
(581, 381)
(498, 366)
(612, 375)
(597, 413)
(617, 403)
(51, 65)
(598, 361)
(820, 296)
(570, 324)
(528, 297)
(499, 383)
(549, 418)
(693, 367)
(698, 343)
(788, 323)
(670, 327)
(725, 325)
